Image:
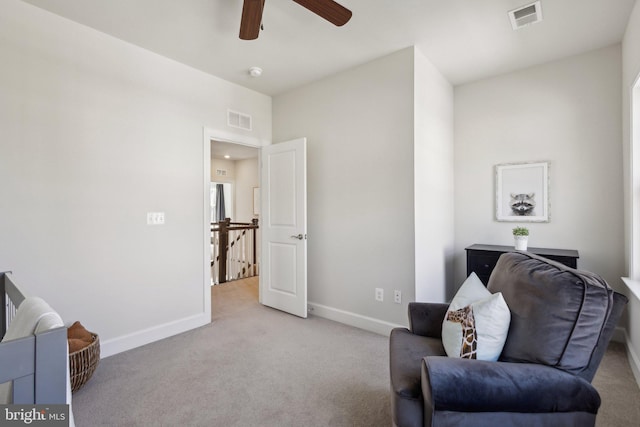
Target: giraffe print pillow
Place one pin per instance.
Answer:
(477, 322)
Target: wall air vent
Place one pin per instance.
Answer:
(238, 120)
(526, 15)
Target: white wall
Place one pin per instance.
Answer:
(247, 177)
(95, 133)
(630, 72)
(230, 190)
(246, 180)
(433, 182)
(361, 198)
(224, 164)
(566, 112)
(243, 175)
(359, 129)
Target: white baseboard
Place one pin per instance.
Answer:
(634, 360)
(352, 319)
(149, 335)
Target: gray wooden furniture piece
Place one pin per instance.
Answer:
(36, 364)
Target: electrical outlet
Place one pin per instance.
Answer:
(379, 294)
(397, 297)
(155, 218)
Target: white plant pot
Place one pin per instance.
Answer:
(521, 242)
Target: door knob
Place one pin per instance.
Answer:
(298, 236)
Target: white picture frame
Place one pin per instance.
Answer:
(522, 192)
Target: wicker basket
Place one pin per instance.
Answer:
(83, 363)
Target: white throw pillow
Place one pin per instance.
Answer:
(485, 318)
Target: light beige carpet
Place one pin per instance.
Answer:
(618, 390)
(255, 366)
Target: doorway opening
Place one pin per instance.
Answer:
(235, 226)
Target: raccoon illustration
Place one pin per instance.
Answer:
(523, 204)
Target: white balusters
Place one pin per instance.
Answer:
(233, 251)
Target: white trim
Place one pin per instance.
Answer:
(152, 334)
(633, 286)
(234, 138)
(634, 360)
(632, 356)
(206, 215)
(634, 175)
(352, 319)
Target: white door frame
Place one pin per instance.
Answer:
(209, 134)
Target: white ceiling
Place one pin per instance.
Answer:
(465, 39)
(220, 149)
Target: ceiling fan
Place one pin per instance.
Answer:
(251, 22)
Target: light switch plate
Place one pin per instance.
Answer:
(155, 218)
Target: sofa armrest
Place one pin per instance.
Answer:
(463, 385)
(425, 318)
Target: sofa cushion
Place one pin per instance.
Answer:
(557, 313)
(485, 317)
(406, 351)
(479, 386)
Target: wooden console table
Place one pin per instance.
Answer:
(483, 258)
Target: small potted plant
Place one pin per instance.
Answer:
(521, 236)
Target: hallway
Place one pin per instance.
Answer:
(230, 297)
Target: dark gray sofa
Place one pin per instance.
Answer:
(562, 320)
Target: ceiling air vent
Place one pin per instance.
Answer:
(238, 120)
(526, 15)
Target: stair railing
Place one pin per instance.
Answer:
(233, 247)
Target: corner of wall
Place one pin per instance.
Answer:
(433, 165)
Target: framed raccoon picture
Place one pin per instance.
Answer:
(522, 192)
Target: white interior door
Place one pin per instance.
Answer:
(283, 275)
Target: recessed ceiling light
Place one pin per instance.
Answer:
(255, 71)
(226, 156)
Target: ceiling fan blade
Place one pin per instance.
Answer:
(251, 19)
(327, 9)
